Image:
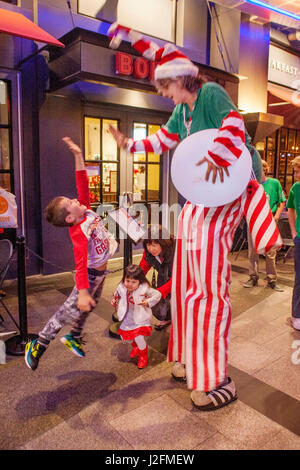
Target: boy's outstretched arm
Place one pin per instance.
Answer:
(76, 150)
(82, 183)
(85, 300)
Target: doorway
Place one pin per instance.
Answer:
(112, 171)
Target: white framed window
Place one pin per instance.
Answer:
(12, 2)
(154, 18)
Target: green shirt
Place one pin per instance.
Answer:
(294, 203)
(213, 104)
(274, 193)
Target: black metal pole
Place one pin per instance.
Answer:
(22, 298)
(127, 252)
(15, 346)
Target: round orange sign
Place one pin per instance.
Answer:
(3, 205)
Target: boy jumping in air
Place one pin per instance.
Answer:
(91, 245)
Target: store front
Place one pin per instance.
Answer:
(18, 167)
(141, 174)
(6, 147)
(284, 100)
(90, 88)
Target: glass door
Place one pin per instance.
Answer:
(113, 172)
(289, 147)
(102, 159)
(147, 171)
(6, 151)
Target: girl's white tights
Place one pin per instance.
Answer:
(140, 341)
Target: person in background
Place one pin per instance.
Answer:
(276, 198)
(159, 247)
(200, 304)
(293, 206)
(200, 301)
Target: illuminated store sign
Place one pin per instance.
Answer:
(139, 67)
(284, 68)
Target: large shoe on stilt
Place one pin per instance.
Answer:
(178, 372)
(143, 358)
(221, 396)
(135, 349)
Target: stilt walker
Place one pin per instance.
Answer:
(200, 303)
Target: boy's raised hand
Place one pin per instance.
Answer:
(72, 146)
(76, 150)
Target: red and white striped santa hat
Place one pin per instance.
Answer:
(171, 62)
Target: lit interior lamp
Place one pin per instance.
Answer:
(2, 92)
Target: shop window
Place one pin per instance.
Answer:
(102, 159)
(291, 139)
(6, 161)
(155, 18)
(289, 142)
(6, 167)
(297, 143)
(146, 168)
(283, 139)
(270, 153)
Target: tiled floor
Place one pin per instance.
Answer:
(105, 402)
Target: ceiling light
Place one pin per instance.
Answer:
(273, 8)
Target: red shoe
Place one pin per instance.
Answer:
(135, 349)
(143, 358)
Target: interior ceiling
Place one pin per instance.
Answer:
(265, 15)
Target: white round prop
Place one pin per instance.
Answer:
(189, 179)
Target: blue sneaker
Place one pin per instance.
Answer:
(33, 352)
(74, 345)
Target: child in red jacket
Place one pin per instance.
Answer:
(134, 299)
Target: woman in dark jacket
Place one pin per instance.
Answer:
(159, 248)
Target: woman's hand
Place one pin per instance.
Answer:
(214, 169)
(119, 137)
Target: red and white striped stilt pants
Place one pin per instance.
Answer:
(200, 303)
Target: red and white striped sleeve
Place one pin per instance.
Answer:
(148, 49)
(159, 142)
(228, 145)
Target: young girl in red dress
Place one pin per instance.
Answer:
(135, 298)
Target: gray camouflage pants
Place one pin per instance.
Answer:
(69, 313)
